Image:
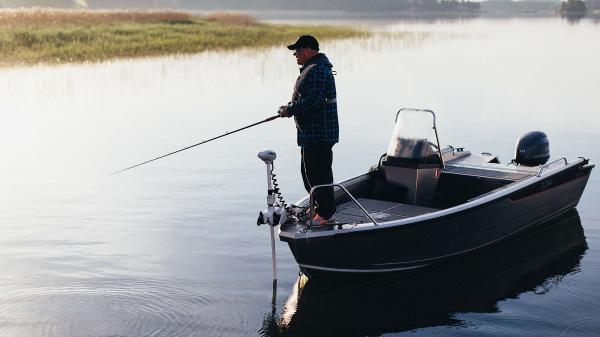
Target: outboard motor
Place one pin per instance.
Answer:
(532, 149)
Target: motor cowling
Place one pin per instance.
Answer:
(532, 149)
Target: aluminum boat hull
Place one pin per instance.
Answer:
(411, 244)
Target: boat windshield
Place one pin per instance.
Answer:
(413, 136)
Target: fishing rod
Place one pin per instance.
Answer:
(202, 142)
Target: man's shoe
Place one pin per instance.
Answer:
(319, 221)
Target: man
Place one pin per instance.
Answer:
(314, 109)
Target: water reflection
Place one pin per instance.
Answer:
(535, 262)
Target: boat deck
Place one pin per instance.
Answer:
(349, 212)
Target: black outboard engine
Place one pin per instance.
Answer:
(532, 149)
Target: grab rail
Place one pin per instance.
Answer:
(539, 174)
(312, 205)
(416, 110)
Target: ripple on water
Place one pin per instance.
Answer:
(586, 326)
(535, 315)
(578, 296)
(121, 307)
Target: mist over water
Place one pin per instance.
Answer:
(171, 248)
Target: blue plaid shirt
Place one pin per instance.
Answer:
(317, 121)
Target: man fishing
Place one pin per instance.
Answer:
(314, 109)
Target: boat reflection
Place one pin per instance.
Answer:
(534, 261)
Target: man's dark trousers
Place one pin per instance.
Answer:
(316, 170)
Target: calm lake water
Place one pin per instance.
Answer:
(172, 249)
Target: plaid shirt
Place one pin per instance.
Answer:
(317, 121)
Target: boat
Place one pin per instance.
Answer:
(422, 205)
(535, 262)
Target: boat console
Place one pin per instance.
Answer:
(415, 172)
(413, 163)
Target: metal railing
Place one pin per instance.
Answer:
(312, 203)
(539, 174)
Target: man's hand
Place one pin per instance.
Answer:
(283, 111)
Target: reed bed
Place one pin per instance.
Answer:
(58, 36)
(232, 18)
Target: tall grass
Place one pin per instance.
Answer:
(231, 18)
(56, 36)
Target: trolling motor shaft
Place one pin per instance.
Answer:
(274, 214)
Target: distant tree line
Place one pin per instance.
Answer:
(508, 6)
(347, 5)
(592, 4)
(573, 6)
(344, 5)
(444, 5)
(37, 3)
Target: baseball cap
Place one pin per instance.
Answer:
(305, 41)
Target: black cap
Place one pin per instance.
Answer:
(305, 41)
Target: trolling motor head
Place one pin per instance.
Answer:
(267, 156)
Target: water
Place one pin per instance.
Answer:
(171, 249)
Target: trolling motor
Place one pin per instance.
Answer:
(275, 213)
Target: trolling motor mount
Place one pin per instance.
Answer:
(270, 218)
